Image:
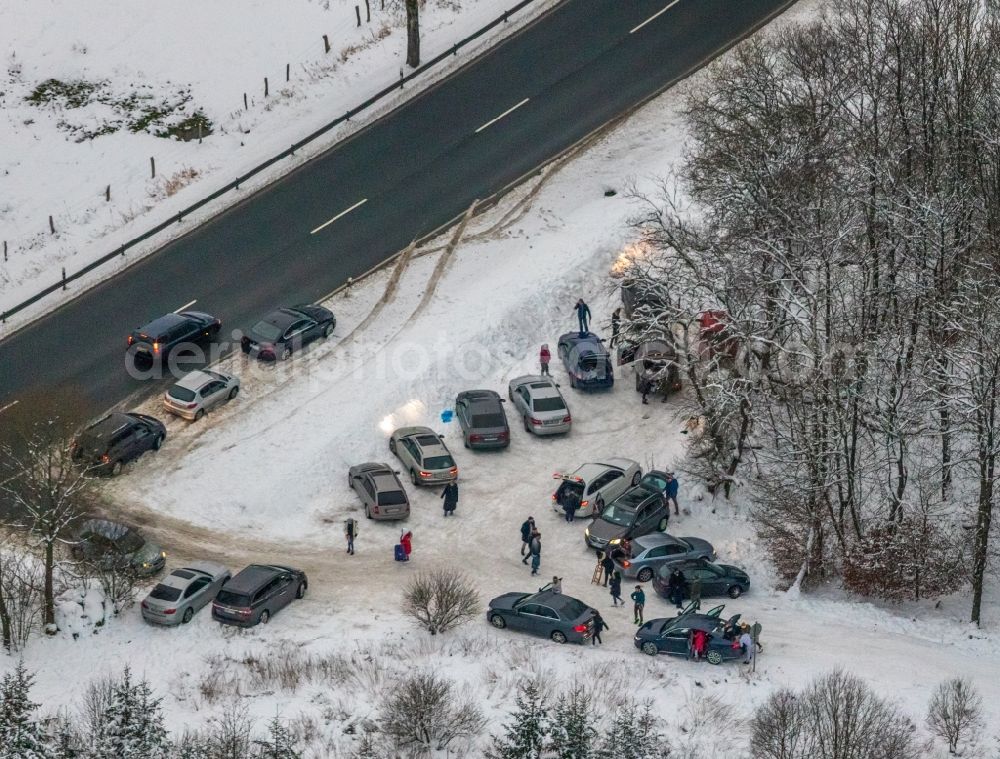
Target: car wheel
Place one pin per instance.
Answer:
(264, 617)
(650, 648)
(662, 526)
(465, 441)
(328, 330)
(635, 478)
(735, 592)
(558, 636)
(157, 442)
(510, 395)
(714, 657)
(188, 613)
(645, 575)
(497, 621)
(300, 592)
(234, 392)
(413, 477)
(527, 425)
(368, 513)
(116, 468)
(286, 353)
(392, 445)
(199, 414)
(572, 382)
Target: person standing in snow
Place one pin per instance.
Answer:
(608, 565)
(671, 492)
(677, 587)
(699, 643)
(536, 551)
(450, 496)
(694, 593)
(570, 503)
(638, 603)
(544, 356)
(616, 323)
(527, 527)
(583, 315)
(406, 540)
(616, 588)
(556, 585)
(645, 387)
(350, 532)
(599, 624)
(746, 643)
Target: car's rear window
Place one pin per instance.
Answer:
(228, 598)
(165, 593)
(590, 362)
(573, 609)
(438, 462)
(181, 393)
(266, 330)
(391, 498)
(548, 404)
(488, 420)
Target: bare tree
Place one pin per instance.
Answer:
(441, 599)
(412, 33)
(955, 711)
(20, 596)
(424, 713)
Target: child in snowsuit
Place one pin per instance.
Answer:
(543, 358)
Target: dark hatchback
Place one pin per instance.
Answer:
(636, 512)
(257, 593)
(673, 636)
(116, 439)
(158, 339)
(586, 360)
(481, 416)
(559, 617)
(286, 330)
(716, 579)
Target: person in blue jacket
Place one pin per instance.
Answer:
(583, 315)
(638, 597)
(671, 492)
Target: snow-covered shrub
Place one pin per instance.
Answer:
(81, 610)
(424, 713)
(279, 743)
(955, 712)
(572, 732)
(132, 723)
(441, 600)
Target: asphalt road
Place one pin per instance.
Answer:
(423, 164)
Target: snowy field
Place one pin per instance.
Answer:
(87, 87)
(264, 479)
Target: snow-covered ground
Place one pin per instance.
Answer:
(181, 57)
(265, 479)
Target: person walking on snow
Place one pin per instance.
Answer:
(350, 532)
(616, 588)
(638, 602)
(543, 358)
(746, 643)
(407, 542)
(527, 527)
(671, 492)
(616, 323)
(536, 551)
(450, 496)
(677, 587)
(608, 565)
(583, 315)
(599, 624)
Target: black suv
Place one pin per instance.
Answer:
(109, 443)
(156, 340)
(635, 512)
(258, 592)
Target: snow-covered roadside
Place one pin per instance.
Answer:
(265, 479)
(44, 171)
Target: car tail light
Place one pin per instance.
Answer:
(567, 419)
(145, 605)
(536, 422)
(626, 564)
(580, 628)
(475, 438)
(105, 458)
(130, 339)
(584, 504)
(374, 509)
(425, 474)
(156, 347)
(453, 471)
(553, 496)
(503, 435)
(170, 611)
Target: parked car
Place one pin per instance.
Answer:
(257, 593)
(673, 636)
(105, 446)
(158, 339)
(552, 615)
(586, 361)
(113, 545)
(183, 592)
(424, 455)
(482, 419)
(286, 330)
(542, 407)
(636, 512)
(644, 297)
(649, 553)
(198, 392)
(716, 579)
(654, 361)
(380, 491)
(594, 485)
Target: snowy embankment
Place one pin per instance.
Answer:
(87, 87)
(264, 479)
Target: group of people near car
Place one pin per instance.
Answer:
(739, 637)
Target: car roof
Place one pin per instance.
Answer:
(282, 317)
(478, 395)
(695, 622)
(655, 540)
(179, 578)
(250, 578)
(105, 528)
(195, 380)
(590, 340)
(543, 390)
(371, 467)
(553, 599)
(111, 423)
(161, 325)
(386, 481)
(207, 567)
(633, 498)
(485, 406)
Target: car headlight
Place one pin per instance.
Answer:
(163, 554)
(587, 532)
(615, 541)
(145, 565)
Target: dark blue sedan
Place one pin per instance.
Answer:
(586, 360)
(546, 613)
(673, 636)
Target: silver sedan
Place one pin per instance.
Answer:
(540, 404)
(182, 592)
(200, 391)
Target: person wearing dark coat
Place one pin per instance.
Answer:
(583, 315)
(616, 588)
(536, 551)
(527, 527)
(616, 323)
(599, 624)
(450, 496)
(677, 587)
(608, 565)
(638, 597)
(645, 387)
(570, 503)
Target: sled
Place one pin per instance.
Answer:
(400, 553)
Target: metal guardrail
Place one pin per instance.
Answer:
(235, 184)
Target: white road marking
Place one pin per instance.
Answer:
(186, 305)
(654, 16)
(491, 122)
(9, 405)
(342, 213)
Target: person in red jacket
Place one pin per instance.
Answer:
(699, 642)
(543, 358)
(407, 542)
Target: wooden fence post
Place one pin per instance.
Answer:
(5, 251)
(245, 106)
(152, 167)
(357, 12)
(326, 44)
(52, 225)
(288, 71)
(64, 277)
(265, 86)
(107, 193)
(368, 11)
